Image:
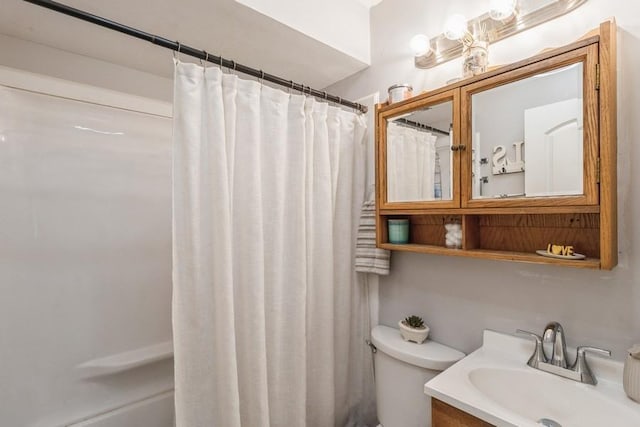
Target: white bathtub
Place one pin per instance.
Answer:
(154, 411)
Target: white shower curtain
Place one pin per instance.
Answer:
(269, 316)
(411, 162)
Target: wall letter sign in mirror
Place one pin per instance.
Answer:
(527, 136)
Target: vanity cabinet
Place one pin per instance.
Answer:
(520, 157)
(444, 415)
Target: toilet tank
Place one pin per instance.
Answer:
(401, 370)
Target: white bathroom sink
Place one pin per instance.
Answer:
(495, 384)
(539, 395)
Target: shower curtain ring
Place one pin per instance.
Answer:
(326, 97)
(261, 77)
(206, 58)
(291, 87)
(233, 63)
(177, 55)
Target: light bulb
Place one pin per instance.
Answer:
(455, 27)
(500, 10)
(420, 45)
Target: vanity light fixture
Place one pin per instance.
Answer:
(455, 27)
(504, 18)
(502, 10)
(420, 45)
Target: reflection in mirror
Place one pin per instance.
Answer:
(419, 157)
(528, 137)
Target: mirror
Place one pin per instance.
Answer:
(419, 160)
(527, 136)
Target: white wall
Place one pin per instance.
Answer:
(341, 24)
(459, 297)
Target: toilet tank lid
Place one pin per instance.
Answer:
(429, 354)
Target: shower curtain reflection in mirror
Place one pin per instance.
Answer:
(411, 164)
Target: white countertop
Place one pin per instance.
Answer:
(508, 353)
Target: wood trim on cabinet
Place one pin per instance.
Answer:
(591, 149)
(470, 232)
(381, 181)
(413, 103)
(495, 211)
(608, 148)
(456, 183)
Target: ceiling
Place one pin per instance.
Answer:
(221, 27)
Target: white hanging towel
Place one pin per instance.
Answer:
(370, 259)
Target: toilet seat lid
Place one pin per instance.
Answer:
(429, 354)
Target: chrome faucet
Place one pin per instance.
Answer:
(554, 334)
(557, 364)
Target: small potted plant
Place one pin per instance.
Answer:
(413, 329)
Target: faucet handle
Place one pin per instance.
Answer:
(531, 334)
(585, 348)
(582, 367)
(538, 354)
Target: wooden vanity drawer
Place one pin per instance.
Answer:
(444, 415)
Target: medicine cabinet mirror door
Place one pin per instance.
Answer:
(418, 161)
(533, 134)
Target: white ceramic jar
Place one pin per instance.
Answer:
(400, 92)
(631, 373)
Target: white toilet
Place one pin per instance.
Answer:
(401, 369)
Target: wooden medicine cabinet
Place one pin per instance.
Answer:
(512, 160)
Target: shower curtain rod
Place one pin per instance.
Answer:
(409, 123)
(190, 51)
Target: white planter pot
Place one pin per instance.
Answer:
(414, 335)
(631, 378)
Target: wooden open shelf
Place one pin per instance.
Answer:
(506, 236)
(593, 263)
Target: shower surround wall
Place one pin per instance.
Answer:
(459, 297)
(85, 256)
